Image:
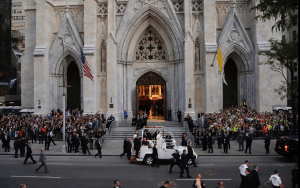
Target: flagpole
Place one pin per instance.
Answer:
(212, 64)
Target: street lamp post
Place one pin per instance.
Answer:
(64, 100)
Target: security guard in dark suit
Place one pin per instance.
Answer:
(191, 154)
(29, 153)
(175, 161)
(16, 147)
(98, 146)
(184, 164)
(155, 156)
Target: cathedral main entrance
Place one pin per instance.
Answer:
(230, 92)
(151, 92)
(73, 92)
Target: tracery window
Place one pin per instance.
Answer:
(150, 47)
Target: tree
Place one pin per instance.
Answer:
(285, 12)
(285, 55)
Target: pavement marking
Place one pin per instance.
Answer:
(207, 179)
(35, 177)
(60, 163)
(205, 164)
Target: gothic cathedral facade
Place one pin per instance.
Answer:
(146, 55)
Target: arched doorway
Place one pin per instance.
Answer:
(151, 92)
(230, 92)
(73, 92)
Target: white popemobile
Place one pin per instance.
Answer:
(165, 147)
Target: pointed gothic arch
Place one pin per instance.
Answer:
(149, 16)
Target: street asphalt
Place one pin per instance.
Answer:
(88, 171)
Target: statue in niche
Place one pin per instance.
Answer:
(103, 56)
(197, 54)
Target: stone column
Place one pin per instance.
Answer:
(90, 38)
(189, 100)
(111, 61)
(41, 65)
(27, 86)
(129, 89)
(211, 72)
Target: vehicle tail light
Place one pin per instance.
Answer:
(286, 149)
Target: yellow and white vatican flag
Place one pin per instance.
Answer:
(220, 62)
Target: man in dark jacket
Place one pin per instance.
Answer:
(155, 156)
(225, 142)
(204, 141)
(137, 145)
(22, 146)
(256, 177)
(175, 160)
(249, 179)
(267, 143)
(70, 143)
(16, 147)
(184, 165)
(184, 141)
(210, 140)
(29, 153)
(76, 142)
(295, 176)
(248, 144)
(240, 140)
(128, 148)
(6, 142)
(98, 146)
(47, 141)
(191, 154)
(124, 147)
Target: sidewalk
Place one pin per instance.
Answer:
(115, 148)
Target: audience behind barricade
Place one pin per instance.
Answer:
(35, 127)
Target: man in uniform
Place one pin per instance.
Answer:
(242, 172)
(191, 154)
(29, 153)
(267, 143)
(175, 161)
(184, 164)
(276, 180)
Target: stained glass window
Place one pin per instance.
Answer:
(150, 47)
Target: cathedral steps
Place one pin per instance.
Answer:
(123, 130)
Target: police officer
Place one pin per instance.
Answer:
(242, 168)
(175, 161)
(276, 180)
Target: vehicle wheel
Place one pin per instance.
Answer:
(190, 162)
(149, 160)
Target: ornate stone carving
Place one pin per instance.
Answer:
(102, 8)
(150, 47)
(121, 7)
(197, 6)
(139, 4)
(178, 7)
(234, 35)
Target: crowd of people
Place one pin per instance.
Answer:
(84, 130)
